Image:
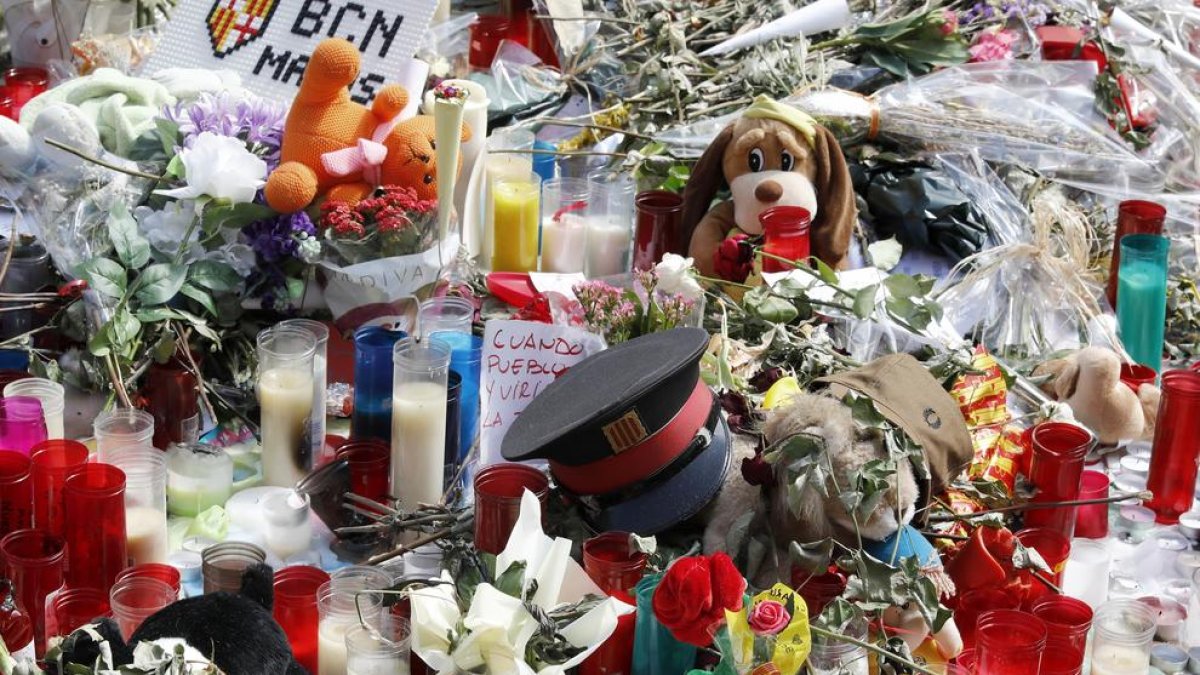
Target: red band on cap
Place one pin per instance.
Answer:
(643, 459)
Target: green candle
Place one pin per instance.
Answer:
(1142, 297)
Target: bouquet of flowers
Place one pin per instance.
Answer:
(660, 299)
(378, 254)
(395, 222)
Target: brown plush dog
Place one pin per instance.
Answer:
(774, 155)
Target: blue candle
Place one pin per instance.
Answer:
(466, 354)
(1142, 297)
(372, 416)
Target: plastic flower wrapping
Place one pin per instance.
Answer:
(493, 633)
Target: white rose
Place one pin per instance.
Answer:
(220, 167)
(676, 274)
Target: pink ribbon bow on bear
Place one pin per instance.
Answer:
(365, 157)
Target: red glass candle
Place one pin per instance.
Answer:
(612, 563)
(296, 610)
(973, 603)
(1133, 217)
(74, 607)
(785, 235)
(1176, 446)
(966, 660)
(370, 466)
(818, 590)
(1008, 642)
(659, 217)
(22, 424)
(15, 627)
(498, 490)
(1091, 521)
(16, 492)
(34, 563)
(1053, 546)
(1134, 375)
(165, 573)
(615, 656)
(1067, 623)
(488, 31)
(171, 394)
(23, 84)
(94, 498)
(135, 599)
(6, 102)
(53, 461)
(1059, 449)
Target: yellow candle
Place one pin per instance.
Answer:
(515, 213)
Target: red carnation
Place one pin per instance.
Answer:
(693, 595)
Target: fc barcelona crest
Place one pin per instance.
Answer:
(235, 23)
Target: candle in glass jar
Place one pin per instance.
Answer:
(564, 240)
(1120, 660)
(286, 398)
(320, 333)
(145, 534)
(199, 477)
(516, 205)
(418, 442)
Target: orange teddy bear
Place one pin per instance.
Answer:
(335, 147)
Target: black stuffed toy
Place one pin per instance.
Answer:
(237, 632)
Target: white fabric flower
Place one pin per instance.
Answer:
(238, 256)
(165, 229)
(309, 249)
(220, 167)
(676, 274)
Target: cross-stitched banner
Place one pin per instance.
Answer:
(269, 41)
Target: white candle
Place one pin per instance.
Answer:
(564, 241)
(317, 419)
(331, 645)
(145, 534)
(286, 395)
(288, 528)
(608, 247)
(361, 665)
(1110, 659)
(418, 442)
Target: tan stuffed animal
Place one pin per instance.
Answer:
(1090, 382)
(774, 155)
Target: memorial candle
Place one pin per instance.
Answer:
(94, 500)
(372, 416)
(1123, 630)
(145, 503)
(419, 421)
(610, 225)
(565, 214)
(50, 394)
(53, 461)
(1173, 468)
(516, 202)
(1142, 297)
(285, 392)
(22, 423)
(320, 333)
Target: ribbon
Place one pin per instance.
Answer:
(365, 157)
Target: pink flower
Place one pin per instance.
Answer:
(768, 618)
(949, 22)
(993, 46)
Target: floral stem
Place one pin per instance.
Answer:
(100, 162)
(588, 125)
(883, 653)
(1039, 505)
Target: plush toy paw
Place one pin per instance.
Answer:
(1090, 382)
(291, 187)
(351, 193)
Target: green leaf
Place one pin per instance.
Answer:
(160, 282)
(201, 296)
(124, 327)
(168, 133)
(812, 557)
(864, 412)
(827, 274)
(213, 275)
(101, 344)
(200, 326)
(175, 166)
(132, 248)
(769, 307)
(838, 614)
(864, 301)
(104, 275)
(512, 580)
(902, 286)
(156, 314)
(223, 214)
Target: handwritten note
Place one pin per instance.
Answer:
(269, 42)
(520, 359)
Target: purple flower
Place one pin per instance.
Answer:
(257, 121)
(277, 248)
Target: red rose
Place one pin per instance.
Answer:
(693, 595)
(734, 258)
(769, 617)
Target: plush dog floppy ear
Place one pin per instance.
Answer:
(837, 212)
(706, 179)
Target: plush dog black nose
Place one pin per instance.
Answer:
(768, 191)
